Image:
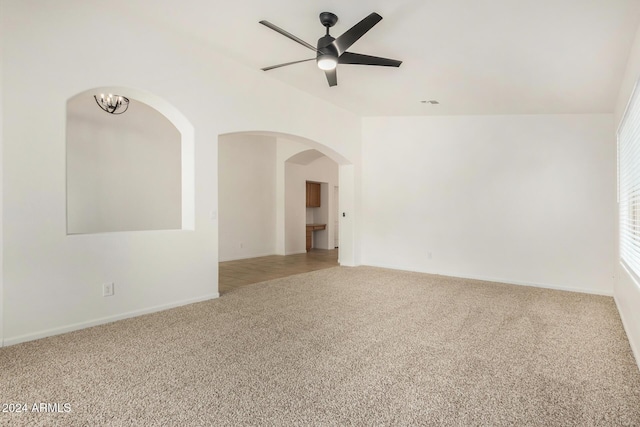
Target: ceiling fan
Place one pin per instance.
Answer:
(331, 51)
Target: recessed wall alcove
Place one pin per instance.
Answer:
(131, 171)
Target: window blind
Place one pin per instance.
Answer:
(629, 183)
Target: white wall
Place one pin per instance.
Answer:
(285, 149)
(1, 184)
(295, 211)
(520, 199)
(246, 196)
(627, 289)
(322, 170)
(350, 215)
(123, 171)
(52, 51)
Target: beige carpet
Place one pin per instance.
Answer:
(342, 346)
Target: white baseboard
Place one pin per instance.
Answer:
(103, 320)
(501, 280)
(302, 251)
(258, 255)
(635, 346)
(297, 252)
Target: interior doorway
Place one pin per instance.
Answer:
(261, 211)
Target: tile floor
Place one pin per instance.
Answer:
(234, 274)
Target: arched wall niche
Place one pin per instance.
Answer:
(128, 172)
(287, 146)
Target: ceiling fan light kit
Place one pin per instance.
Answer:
(331, 51)
(327, 62)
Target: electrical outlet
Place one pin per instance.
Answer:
(108, 290)
(429, 255)
(241, 245)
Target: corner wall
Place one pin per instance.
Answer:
(1, 182)
(246, 196)
(627, 289)
(516, 199)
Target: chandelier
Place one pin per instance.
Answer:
(113, 104)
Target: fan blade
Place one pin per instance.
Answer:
(288, 35)
(286, 63)
(343, 42)
(358, 58)
(332, 77)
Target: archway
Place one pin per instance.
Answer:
(287, 146)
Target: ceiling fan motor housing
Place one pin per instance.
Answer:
(326, 51)
(325, 45)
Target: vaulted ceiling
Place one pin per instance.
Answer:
(472, 56)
